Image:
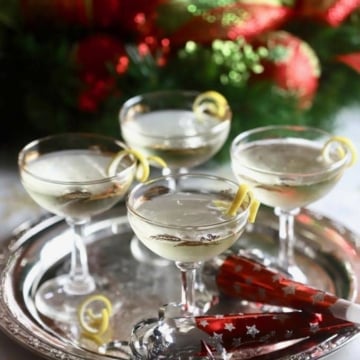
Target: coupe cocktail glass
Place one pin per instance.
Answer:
(184, 218)
(288, 167)
(176, 127)
(184, 128)
(68, 175)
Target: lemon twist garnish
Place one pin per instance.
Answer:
(95, 324)
(240, 196)
(343, 142)
(254, 208)
(143, 172)
(144, 164)
(157, 160)
(212, 103)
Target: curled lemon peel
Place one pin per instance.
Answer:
(141, 176)
(143, 161)
(240, 196)
(212, 103)
(94, 325)
(343, 142)
(157, 160)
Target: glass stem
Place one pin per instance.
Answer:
(80, 281)
(188, 274)
(168, 171)
(286, 237)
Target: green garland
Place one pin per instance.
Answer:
(39, 85)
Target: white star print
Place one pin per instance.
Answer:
(252, 330)
(236, 342)
(204, 323)
(238, 268)
(288, 334)
(319, 296)
(289, 290)
(257, 267)
(229, 326)
(249, 280)
(276, 278)
(314, 327)
(217, 337)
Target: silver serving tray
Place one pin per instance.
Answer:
(327, 251)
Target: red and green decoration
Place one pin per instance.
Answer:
(69, 65)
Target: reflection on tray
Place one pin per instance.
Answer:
(325, 250)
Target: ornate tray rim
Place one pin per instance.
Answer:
(34, 338)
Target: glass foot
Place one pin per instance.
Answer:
(117, 349)
(168, 338)
(54, 301)
(142, 254)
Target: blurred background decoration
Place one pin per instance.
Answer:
(70, 64)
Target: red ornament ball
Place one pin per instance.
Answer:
(332, 12)
(95, 56)
(242, 19)
(292, 64)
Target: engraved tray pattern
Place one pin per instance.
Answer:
(324, 247)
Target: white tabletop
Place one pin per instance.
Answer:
(341, 204)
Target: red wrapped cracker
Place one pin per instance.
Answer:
(245, 278)
(253, 333)
(305, 313)
(238, 331)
